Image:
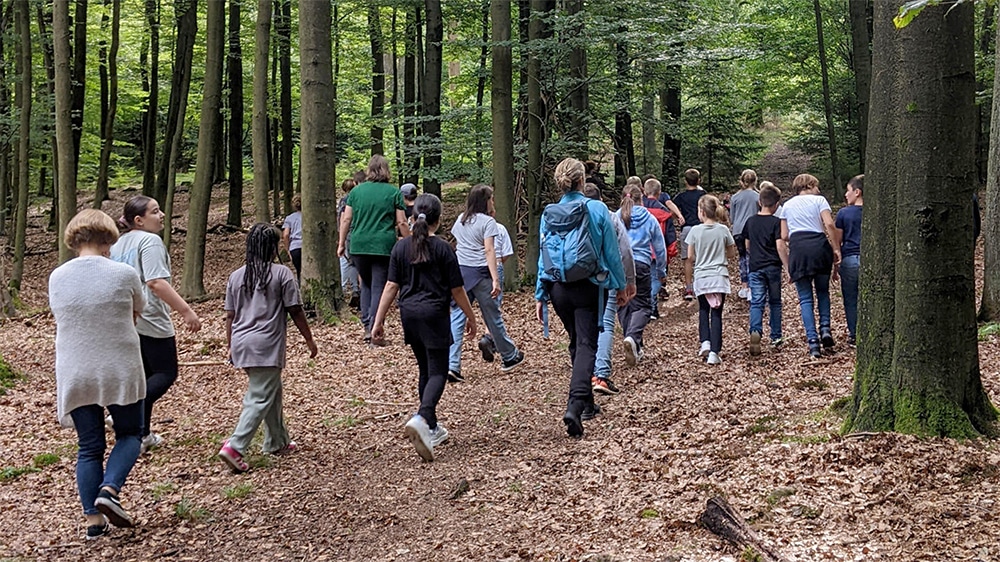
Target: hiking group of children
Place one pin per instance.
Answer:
(594, 267)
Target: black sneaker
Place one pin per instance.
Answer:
(108, 504)
(826, 337)
(574, 425)
(486, 347)
(654, 314)
(590, 411)
(509, 366)
(455, 376)
(814, 349)
(97, 531)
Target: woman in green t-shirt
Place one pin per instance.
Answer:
(373, 212)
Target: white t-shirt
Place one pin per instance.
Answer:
(470, 239)
(502, 244)
(146, 252)
(803, 213)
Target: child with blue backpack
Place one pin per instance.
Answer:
(649, 252)
(579, 230)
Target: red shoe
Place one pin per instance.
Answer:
(233, 458)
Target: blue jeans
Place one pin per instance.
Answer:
(804, 287)
(348, 275)
(91, 474)
(500, 276)
(765, 284)
(605, 339)
(490, 310)
(849, 268)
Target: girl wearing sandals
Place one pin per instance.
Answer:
(259, 295)
(142, 248)
(98, 364)
(423, 271)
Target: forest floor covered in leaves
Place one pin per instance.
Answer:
(509, 485)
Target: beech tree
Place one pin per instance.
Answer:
(917, 365)
(501, 101)
(64, 124)
(259, 136)
(22, 24)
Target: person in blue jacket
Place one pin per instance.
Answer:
(578, 304)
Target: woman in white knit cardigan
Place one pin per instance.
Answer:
(98, 364)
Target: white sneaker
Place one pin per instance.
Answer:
(713, 358)
(438, 435)
(109, 423)
(150, 442)
(631, 351)
(744, 293)
(417, 431)
(706, 347)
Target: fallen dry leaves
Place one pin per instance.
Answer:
(760, 431)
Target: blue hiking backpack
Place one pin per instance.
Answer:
(568, 250)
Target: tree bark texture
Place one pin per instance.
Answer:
(918, 366)
(23, 26)
(234, 217)
(481, 82)
(5, 183)
(579, 94)
(64, 123)
(192, 284)
(989, 309)
(827, 103)
(79, 75)
(623, 140)
(320, 265)
(861, 57)
(501, 106)
(180, 84)
(151, 83)
(431, 97)
(108, 124)
(378, 77)
(411, 155)
(260, 133)
(284, 36)
(534, 175)
(670, 109)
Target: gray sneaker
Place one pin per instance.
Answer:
(419, 434)
(438, 435)
(631, 351)
(150, 442)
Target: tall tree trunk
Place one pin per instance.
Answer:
(108, 125)
(624, 148)
(320, 266)
(23, 25)
(180, 84)
(150, 115)
(378, 76)
(861, 56)
(534, 184)
(79, 75)
(827, 103)
(102, 73)
(989, 308)
(670, 114)
(5, 183)
(983, 109)
(260, 134)
(579, 91)
(481, 83)
(284, 35)
(411, 156)
(64, 124)
(394, 99)
(234, 218)
(501, 106)
(524, 60)
(45, 39)
(192, 284)
(431, 95)
(648, 91)
(923, 91)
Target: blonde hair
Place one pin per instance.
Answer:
(633, 180)
(652, 188)
(748, 178)
(90, 227)
(570, 174)
(803, 182)
(713, 209)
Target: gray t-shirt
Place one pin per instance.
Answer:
(147, 254)
(97, 349)
(470, 239)
(709, 242)
(258, 338)
(293, 223)
(742, 206)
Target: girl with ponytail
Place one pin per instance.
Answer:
(424, 272)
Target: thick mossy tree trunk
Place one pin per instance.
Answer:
(989, 308)
(192, 284)
(501, 106)
(921, 160)
(320, 266)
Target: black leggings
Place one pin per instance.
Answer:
(433, 366)
(576, 305)
(710, 322)
(296, 255)
(159, 361)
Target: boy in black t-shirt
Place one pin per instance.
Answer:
(768, 253)
(687, 203)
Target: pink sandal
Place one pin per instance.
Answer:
(233, 458)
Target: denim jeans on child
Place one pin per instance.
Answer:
(605, 339)
(91, 474)
(804, 287)
(849, 268)
(349, 276)
(490, 310)
(765, 285)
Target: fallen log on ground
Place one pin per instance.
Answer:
(720, 518)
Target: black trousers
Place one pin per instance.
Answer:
(433, 367)
(159, 362)
(635, 314)
(576, 304)
(710, 323)
(374, 271)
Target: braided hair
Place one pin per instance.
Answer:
(262, 248)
